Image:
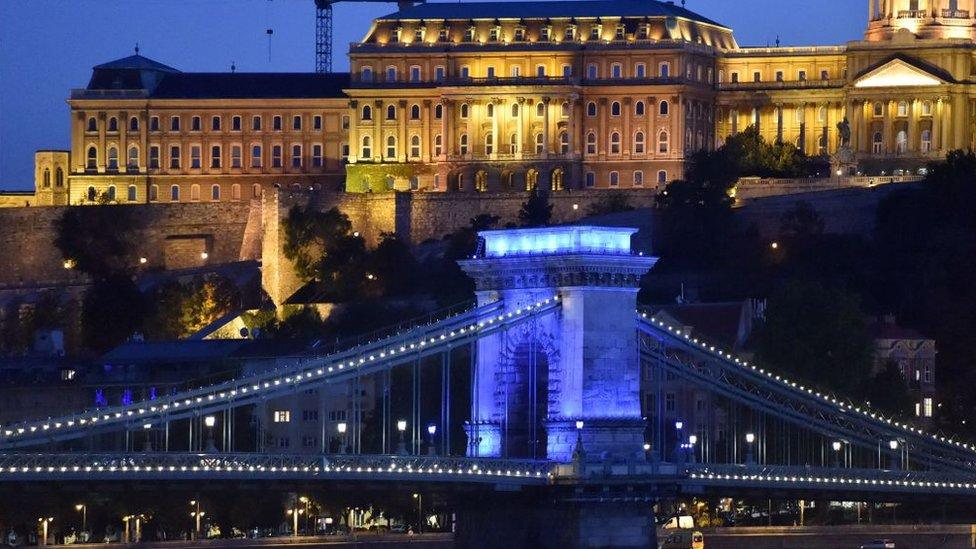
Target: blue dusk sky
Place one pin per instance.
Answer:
(48, 47)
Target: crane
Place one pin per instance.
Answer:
(323, 29)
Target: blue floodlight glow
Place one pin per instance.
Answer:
(558, 240)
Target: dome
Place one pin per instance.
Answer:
(925, 19)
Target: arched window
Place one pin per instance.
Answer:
(438, 145)
(877, 143)
(615, 108)
(391, 112)
(639, 108)
(415, 112)
(113, 158)
(92, 194)
(662, 177)
(46, 180)
(591, 109)
(515, 110)
(662, 142)
(133, 124)
(235, 192)
(638, 178)
(215, 193)
(131, 193)
(153, 193)
(438, 111)
(256, 190)
(489, 144)
(367, 112)
(540, 109)
(556, 180)
(464, 110)
(110, 193)
(539, 143)
(590, 143)
(133, 162)
(490, 110)
(481, 181)
(513, 144)
(614, 179)
(113, 124)
(564, 109)
(531, 179)
(367, 151)
(901, 140)
(391, 147)
(463, 144)
(926, 141)
(614, 143)
(564, 143)
(58, 177)
(415, 146)
(92, 125)
(92, 161)
(639, 142)
(664, 108)
(902, 108)
(194, 193)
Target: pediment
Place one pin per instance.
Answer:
(898, 73)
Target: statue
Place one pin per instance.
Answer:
(844, 127)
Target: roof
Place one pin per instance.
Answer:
(887, 329)
(250, 85)
(537, 10)
(137, 62)
(720, 323)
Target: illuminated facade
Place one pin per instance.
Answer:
(513, 95)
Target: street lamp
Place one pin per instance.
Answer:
(420, 512)
(210, 421)
(750, 457)
(196, 514)
(896, 461)
(293, 513)
(44, 522)
(341, 427)
(431, 431)
(836, 445)
(83, 509)
(306, 501)
(692, 441)
(402, 446)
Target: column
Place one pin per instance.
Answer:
(676, 128)
(495, 138)
(913, 137)
(427, 141)
(353, 132)
(886, 132)
(779, 123)
(573, 126)
(378, 144)
(402, 143)
(937, 125)
(445, 127)
(627, 139)
(546, 145)
(601, 132)
(960, 113)
(863, 133)
(123, 142)
(102, 149)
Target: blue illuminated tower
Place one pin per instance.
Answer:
(570, 376)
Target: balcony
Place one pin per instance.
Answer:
(782, 85)
(84, 93)
(912, 14)
(955, 14)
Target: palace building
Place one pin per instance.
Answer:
(506, 96)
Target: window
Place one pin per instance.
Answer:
(113, 158)
(235, 123)
(215, 123)
(540, 109)
(544, 33)
(662, 142)
(195, 154)
(591, 143)
(296, 122)
(93, 124)
(133, 160)
(489, 144)
(616, 70)
(519, 34)
(174, 193)
(664, 70)
(174, 157)
(926, 141)
(567, 71)
(316, 156)
(639, 142)
(515, 110)
(464, 110)
(591, 109)
(282, 416)
(391, 147)
(516, 71)
(539, 143)
(591, 72)
(926, 108)
(902, 108)
(779, 76)
(824, 75)
(92, 194)
(901, 141)
(131, 193)
(569, 33)
(235, 156)
(345, 121)
(735, 77)
(418, 33)
(256, 190)
(444, 34)
(92, 158)
(366, 150)
(438, 111)
(391, 74)
(590, 179)
(276, 156)
(927, 407)
(615, 108)
(756, 76)
(877, 143)
(639, 108)
(878, 109)
(801, 76)
(153, 124)
(438, 145)
(415, 146)
(595, 31)
(366, 74)
(463, 144)
(110, 193)
(664, 108)
(215, 156)
(174, 123)
(153, 193)
(513, 146)
(284, 442)
(276, 123)
(822, 114)
(465, 71)
(439, 73)
(153, 156)
(415, 112)
(256, 123)
(308, 441)
(564, 110)
(614, 179)
(669, 402)
(367, 113)
(614, 143)
(415, 74)
(215, 193)
(640, 70)
(391, 112)
(113, 124)
(194, 193)
(344, 151)
(296, 156)
(638, 178)
(564, 143)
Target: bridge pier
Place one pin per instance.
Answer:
(507, 522)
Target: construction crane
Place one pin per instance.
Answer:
(323, 29)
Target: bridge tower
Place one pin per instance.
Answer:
(573, 376)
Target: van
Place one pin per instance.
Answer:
(683, 539)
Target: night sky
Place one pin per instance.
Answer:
(48, 47)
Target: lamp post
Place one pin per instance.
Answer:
(896, 460)
(210, 421)
(402, 445)
(431, 431)
(420, 512)
(341, 428)
(306, 501)
(678, 445)
(750, 456)
(692, 441)
(83, 509)
(196, 514)
(294, 512)
(44, 522)
(836, 445)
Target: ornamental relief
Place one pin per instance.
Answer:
(510, 374)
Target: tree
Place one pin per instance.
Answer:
(99, 241)
(536, 211)
(801, 221)
(610, 203)
(113, 310)
(393, 268)
(309, 235)
(818, 335)
(183, 309)
(888, 392)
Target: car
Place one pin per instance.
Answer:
(879, 544)
(683, 539)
